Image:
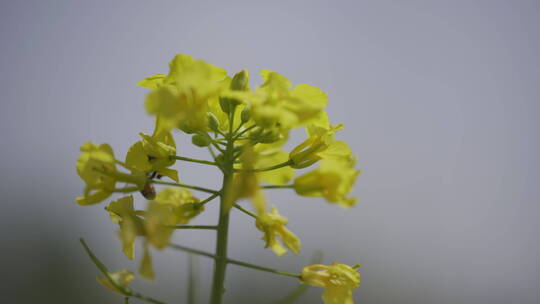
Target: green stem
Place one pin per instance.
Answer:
(193, 279)
(126, 189)
(207, 200)
(145, 298)
(220, 264)
(203, 227)
(220, 142)
(191, 250)
(284, 164)
(214, 156)
(193, 160)
(220, 149)
(243, 132)
(237, 129)
(245, 211)
(123, 290)
(266, 269)
(278, 186)
(235, 262)
(183, 186)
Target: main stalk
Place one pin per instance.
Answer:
(220, 265)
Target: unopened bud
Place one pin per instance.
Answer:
(240, 81)
(269, 136)
(245, 116)
(201, 140)
(213, 122)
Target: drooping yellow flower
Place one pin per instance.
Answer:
(333, 180)
(272, 224)
(146, 268)
(158, 228)
(98, 185)
(121, 278)
(152, 154)
(158, 222)
(122, 212)
(338, 281)
(155, 224)
(181, 98)
(182, 203)
(245, 184)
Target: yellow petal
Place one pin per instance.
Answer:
(121, 278)
(146, 268)
(152, 82)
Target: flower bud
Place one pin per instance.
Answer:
(245, 116)
(305, 154)
(265, 136)
(240, 81)
(201, 140)
(213, 122)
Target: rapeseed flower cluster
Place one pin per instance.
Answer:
(245, 130)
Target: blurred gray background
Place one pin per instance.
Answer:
(440, 103)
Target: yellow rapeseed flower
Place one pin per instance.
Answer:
(277, 103)
(122, 212)
(92, 162)
(320, 144)
(155, 224)
(333, 180)
(152, 154)
(121, 278)
(245, 184)
(291, 107)
(181, 97)
(158, 224)
(338, 281)
(146, 268)
(182, 203)
(267, 155)
(272, 224)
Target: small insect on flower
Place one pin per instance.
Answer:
(149, 192)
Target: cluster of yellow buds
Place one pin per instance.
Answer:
(245, 131)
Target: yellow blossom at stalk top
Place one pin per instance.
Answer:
(121, 278)
(277, 103)
(181, 98)
(338, 281)
(333, 180)
(93, 161)
(152, 154)
(272, 224)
